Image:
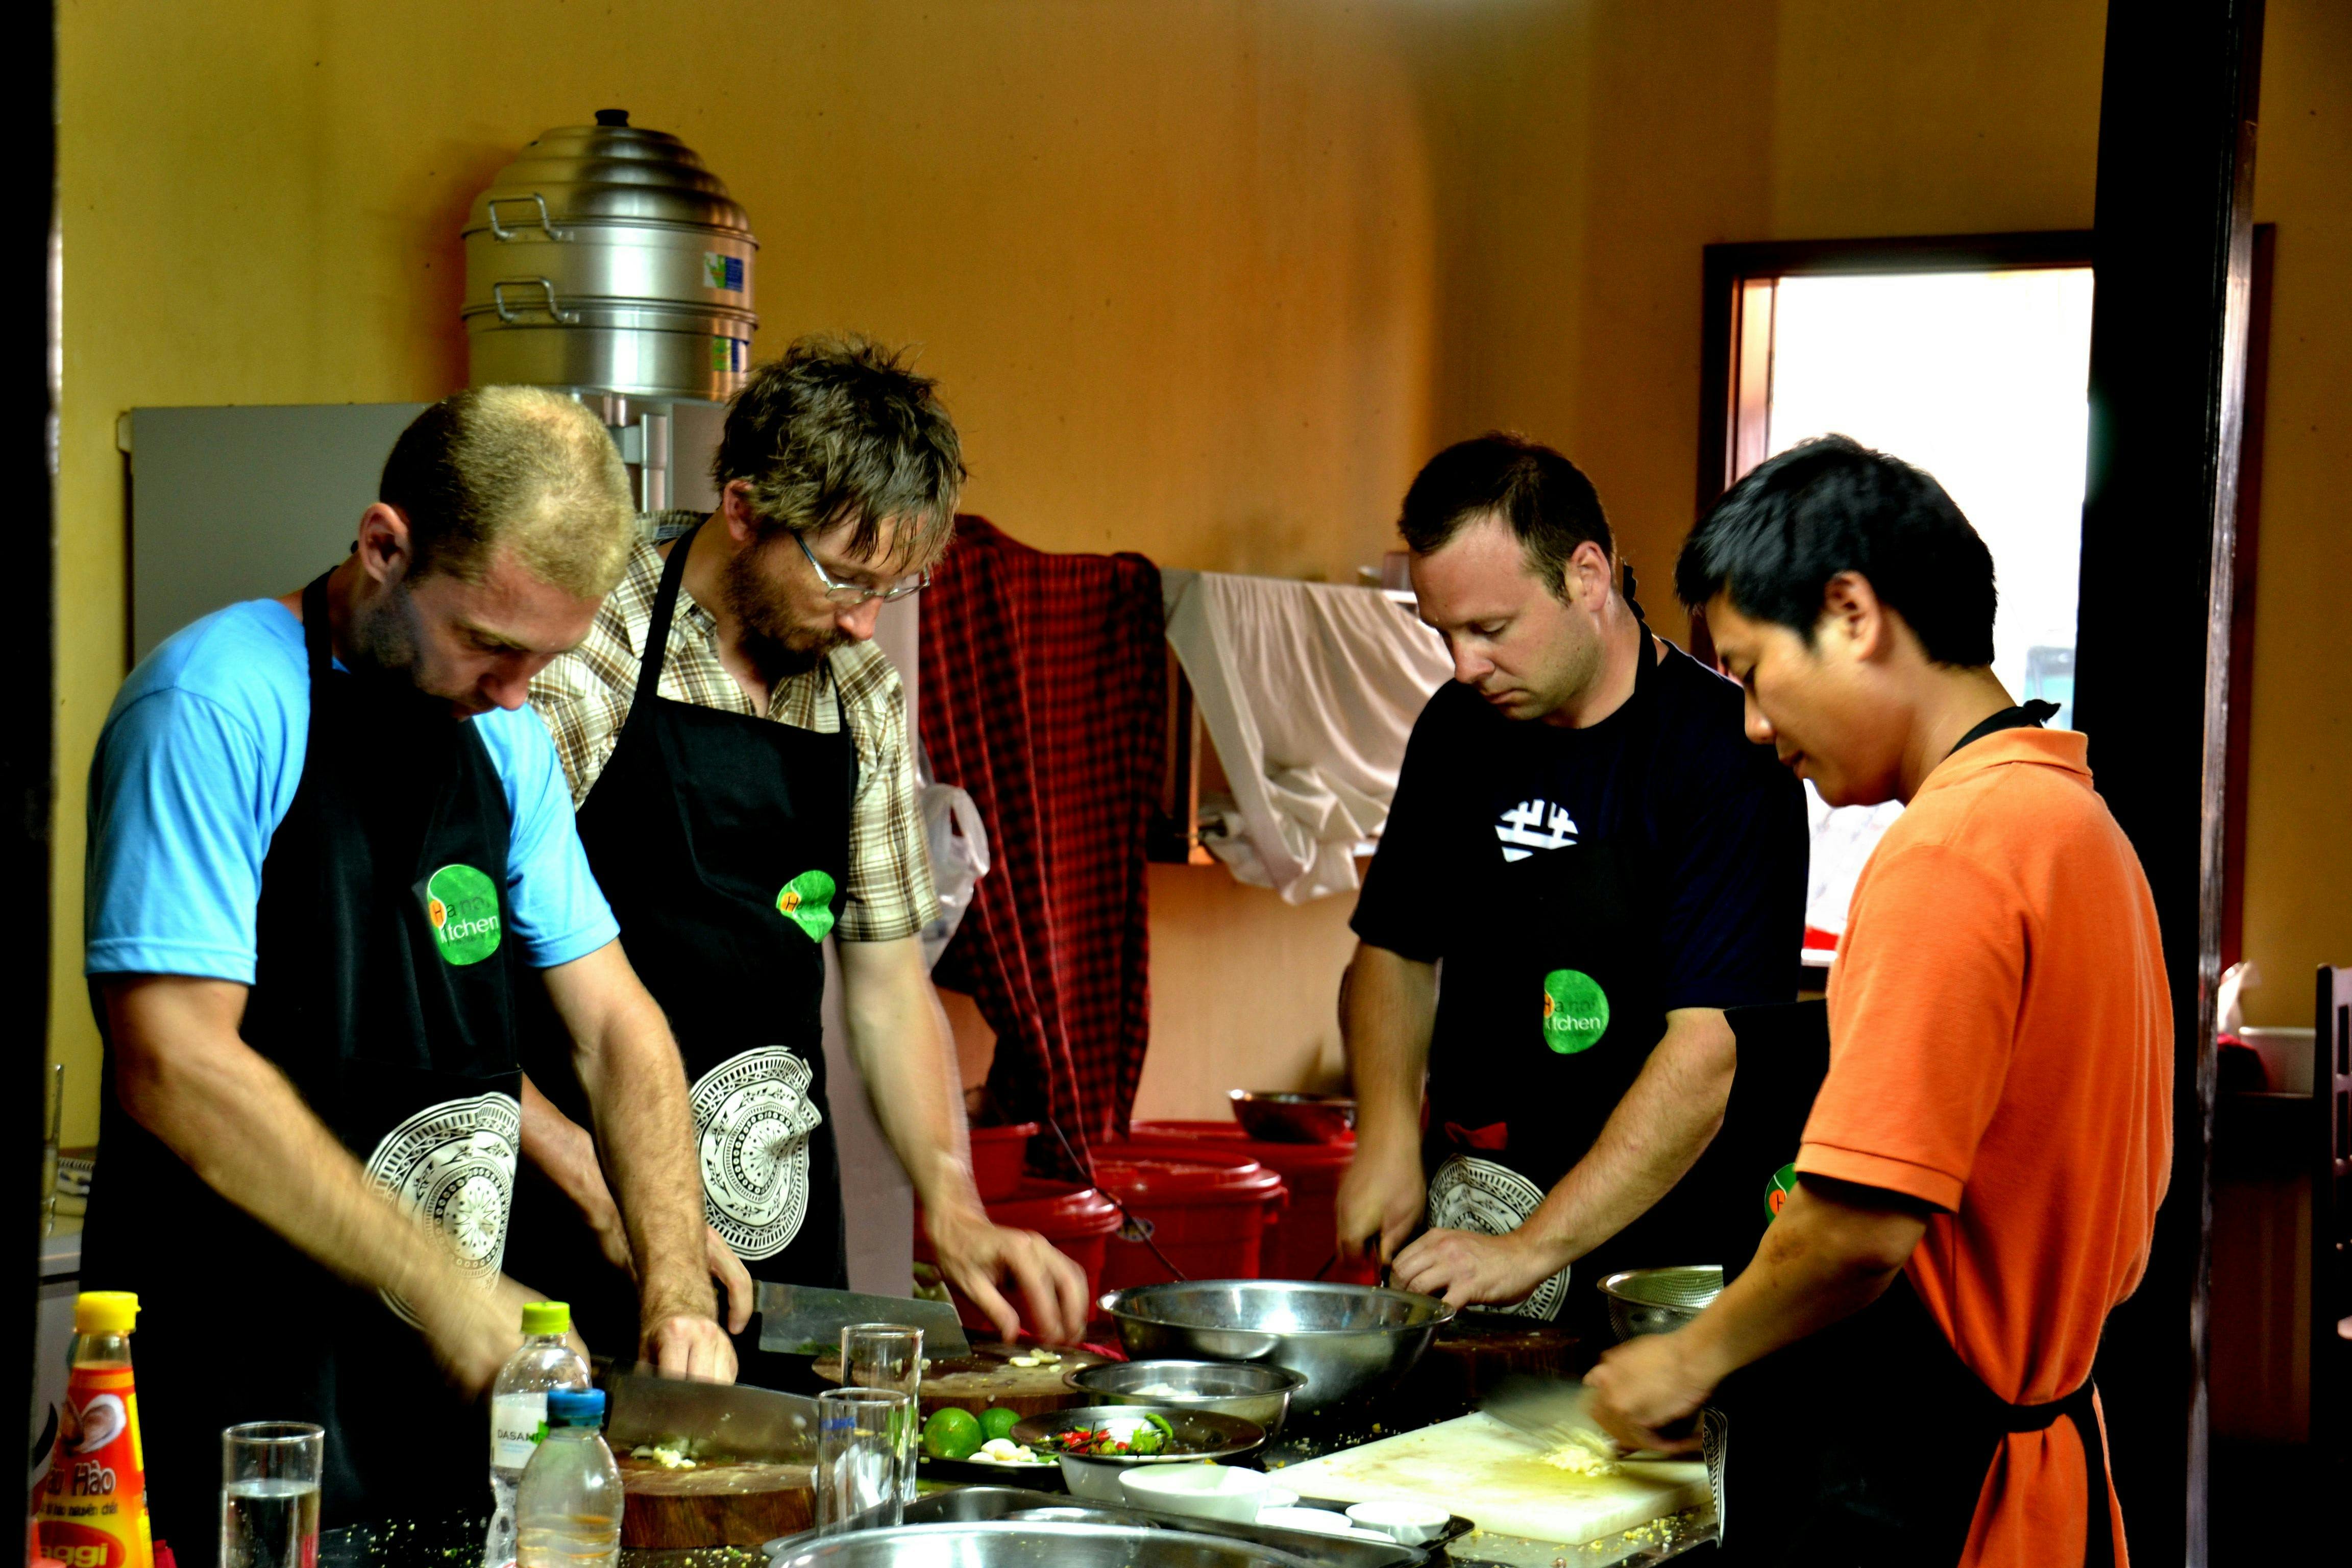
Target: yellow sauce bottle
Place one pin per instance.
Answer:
(93, 1507)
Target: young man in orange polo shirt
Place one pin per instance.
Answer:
(1977, 1180)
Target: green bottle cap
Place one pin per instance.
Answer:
(547, 1318)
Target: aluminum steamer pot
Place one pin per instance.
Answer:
(607, 258)
(1027, 1544)
(1346, 1340)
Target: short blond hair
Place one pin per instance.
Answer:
(514, 468)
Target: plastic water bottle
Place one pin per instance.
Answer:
(570, 1504)
(519, 1414)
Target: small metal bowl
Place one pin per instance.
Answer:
(1272, 1118)
(1254, 1391)
(1196, 1434)
(1660, 1300)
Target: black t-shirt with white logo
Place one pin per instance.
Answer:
(1720, 822)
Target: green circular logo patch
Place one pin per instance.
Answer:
(1777, 1191)
(1576, 1011)
(462, 906)
(807, 901)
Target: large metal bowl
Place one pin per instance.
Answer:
(1253, 1391)
(1660, 1300)
(1345, 1341)
(1272, 1118)
(1010, 1544)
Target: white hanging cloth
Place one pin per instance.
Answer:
(1309, 691)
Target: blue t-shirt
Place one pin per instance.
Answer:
(1723, 823)
(198, 764)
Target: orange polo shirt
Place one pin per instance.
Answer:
(2000, 1046)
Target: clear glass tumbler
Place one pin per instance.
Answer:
(269, 1494)
(885, 1355)
(865, 1457)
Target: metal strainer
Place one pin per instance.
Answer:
(1660, 1300)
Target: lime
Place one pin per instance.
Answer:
(998, 1422)
(952, 1434)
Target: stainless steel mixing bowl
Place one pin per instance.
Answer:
(1660, 1300)
(1010, 1544)
(1272, 1118)
(1345, 1341)
(1253, 1391)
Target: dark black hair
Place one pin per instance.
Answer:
(841, 430)
(1831, 505)
(1544, 499)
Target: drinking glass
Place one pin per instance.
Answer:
(269, 1494)
(865, 1457)
(885, 1355)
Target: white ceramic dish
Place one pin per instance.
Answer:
(1406, 1523)
(1322, 1521)
(1203, 1492)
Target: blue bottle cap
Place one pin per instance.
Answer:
(575, 1407)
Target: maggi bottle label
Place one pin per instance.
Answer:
(94, 1503)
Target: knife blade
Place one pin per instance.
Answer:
(1551, 1410)
(736, 1420)
(801, 1320)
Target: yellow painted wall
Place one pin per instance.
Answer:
(1203, 279)
(2299, 793)
(1171, 261)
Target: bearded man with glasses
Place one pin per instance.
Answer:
(738, 752)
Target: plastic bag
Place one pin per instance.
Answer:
(958, 841)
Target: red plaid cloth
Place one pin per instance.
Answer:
(1044, 694)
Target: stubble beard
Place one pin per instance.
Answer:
(779, 645)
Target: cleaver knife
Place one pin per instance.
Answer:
(1551, 1410)
(755, 1425)
(801, 1320)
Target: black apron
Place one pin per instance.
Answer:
(1867, 1444)
(1542, 1026)
(722, 841)
(385, 990)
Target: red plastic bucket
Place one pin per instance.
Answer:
(1207, 1216)
(1077, 1220)
(998, 1155)
(1303, 1239)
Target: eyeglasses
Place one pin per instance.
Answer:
(848, 593)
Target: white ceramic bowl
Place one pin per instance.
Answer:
(1406, 1523)
(1204, 1491)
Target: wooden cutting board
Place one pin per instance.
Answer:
(988, 1377)
(714, 1505)
(1482, 1470)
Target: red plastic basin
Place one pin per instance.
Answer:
(998, 1156)
(1205, 1217)
(1303, 1240)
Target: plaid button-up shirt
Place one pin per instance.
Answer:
(585, 696)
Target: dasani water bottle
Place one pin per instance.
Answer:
(519, 1414)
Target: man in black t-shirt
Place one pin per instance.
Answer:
(1585, 865)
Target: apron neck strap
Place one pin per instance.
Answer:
(2030, 714)
(649, 662)
(317, 634)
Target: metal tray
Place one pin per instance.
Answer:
(1335, 1552)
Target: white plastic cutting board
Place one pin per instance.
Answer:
(1493, 1476)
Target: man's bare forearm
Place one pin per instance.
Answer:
(1651, 1141)
(899, 1034)
(1386, 1007)
(644, 1129)
(185, 1073)
(1833, 1249)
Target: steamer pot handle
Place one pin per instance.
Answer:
(543, 225)
(508, 313)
